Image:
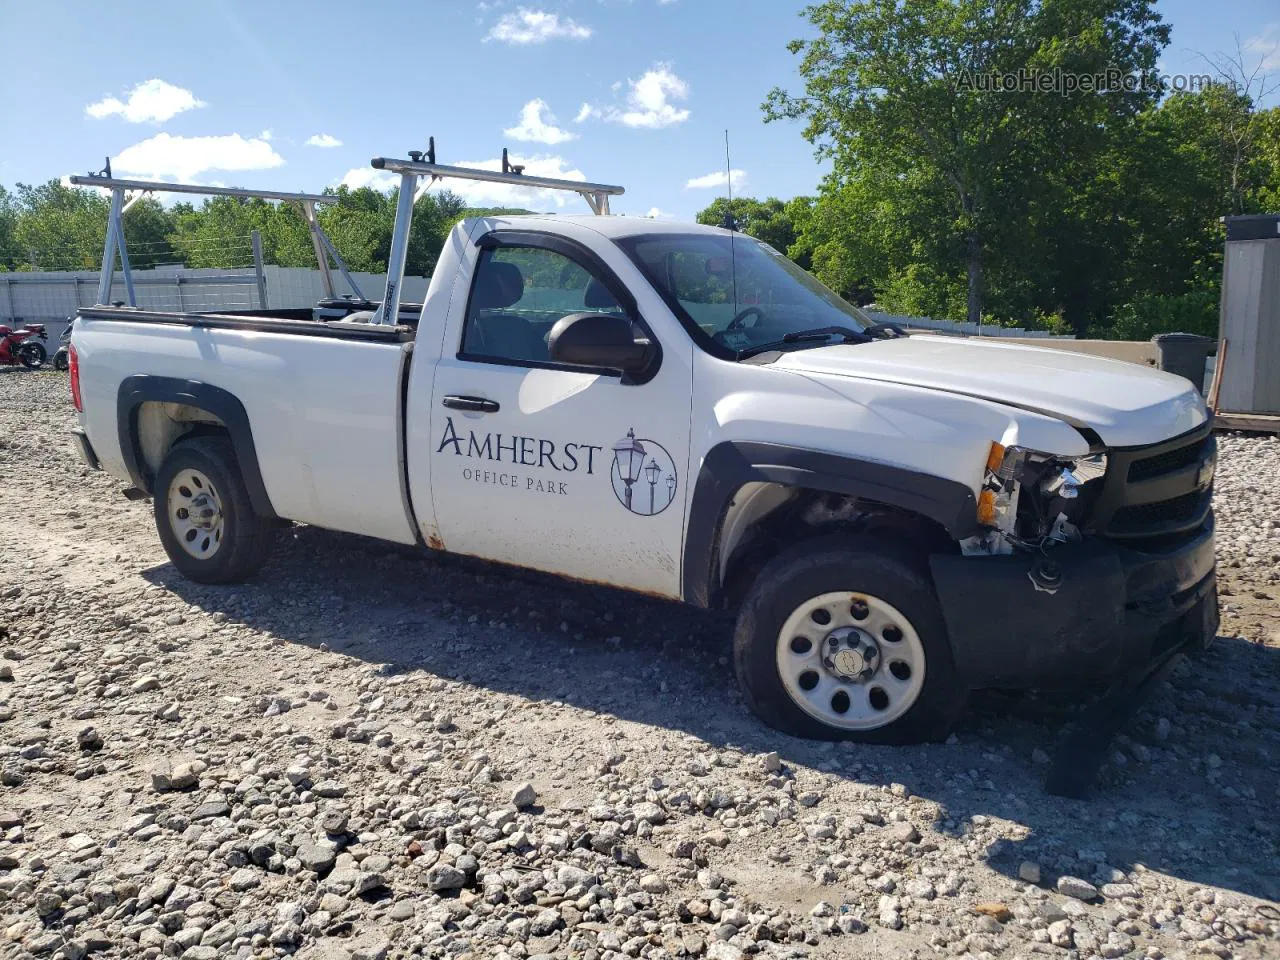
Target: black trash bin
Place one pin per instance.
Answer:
(1185, 354)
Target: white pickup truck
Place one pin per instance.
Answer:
(680, 411)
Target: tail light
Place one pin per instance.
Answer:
(73, 364)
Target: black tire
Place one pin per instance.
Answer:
(855, 564)
(61, 361)
(32, 354)
(247, 538)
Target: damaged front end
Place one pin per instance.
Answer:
(1085, 568)
(1032, 502)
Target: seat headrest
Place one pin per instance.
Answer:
(499, 285)
(598, 296)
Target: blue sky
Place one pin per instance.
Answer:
(299, 95)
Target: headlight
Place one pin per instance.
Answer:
(999, 492)
(1065, 478)
(1052, 485)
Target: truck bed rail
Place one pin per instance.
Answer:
(335, 329)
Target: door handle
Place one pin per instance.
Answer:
(478, 404)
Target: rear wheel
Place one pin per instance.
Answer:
(32, 354)
(60, 360)
(842, 638)
(204, 517)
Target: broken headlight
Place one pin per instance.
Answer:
(1031, 499)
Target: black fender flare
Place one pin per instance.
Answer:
(730, 465)
(143, 388)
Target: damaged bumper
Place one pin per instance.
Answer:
(1107, 610)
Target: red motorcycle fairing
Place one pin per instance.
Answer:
(11, 341)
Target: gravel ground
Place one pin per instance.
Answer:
(368, 752)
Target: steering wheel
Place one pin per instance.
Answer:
(737, 324)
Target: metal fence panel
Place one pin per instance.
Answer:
(55, 296)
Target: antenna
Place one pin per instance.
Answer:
(729, 223)
(728, 182)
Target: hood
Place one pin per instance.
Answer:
(1124, 403)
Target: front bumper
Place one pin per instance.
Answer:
(1116, 609)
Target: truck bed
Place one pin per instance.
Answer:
(322, 401)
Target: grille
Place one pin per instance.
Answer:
(1167, 462)
(1156, 491)
(1150, 516)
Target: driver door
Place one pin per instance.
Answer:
(561, 468)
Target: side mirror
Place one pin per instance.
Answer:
(598, 340)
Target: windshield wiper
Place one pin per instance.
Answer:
(846, 335)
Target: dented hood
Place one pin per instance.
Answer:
(1125, 403)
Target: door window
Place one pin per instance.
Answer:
(519, 294)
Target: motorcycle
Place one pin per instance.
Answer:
(62, 358)
(23, 347)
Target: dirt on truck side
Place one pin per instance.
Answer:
(368, 751)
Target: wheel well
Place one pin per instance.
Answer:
(160, 424)
(153, 413)
(762, 519)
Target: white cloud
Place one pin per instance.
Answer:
(1266, 46)
(656, 214)
(152, 101)
(165, 157)
(323, 140)
(527, 26)
(537, 125)
(358, 177)
(649, 100)
(718, 179)
(586, 112)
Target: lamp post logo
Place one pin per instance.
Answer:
(643, 475)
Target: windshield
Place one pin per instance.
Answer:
(736, 296)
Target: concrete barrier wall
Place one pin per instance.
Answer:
(1134, 351)
(963, 329)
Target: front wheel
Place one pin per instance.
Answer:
(32, 354)
(204, 517)
(842, 638)
(60, 360)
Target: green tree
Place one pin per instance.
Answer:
(359, 225)
(1168, 185)
(59, 227)
(768, 220)
(219, 233)
(434, 215)
(9, 251)
(937, 170)
(1266, 191)
(147, 227)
